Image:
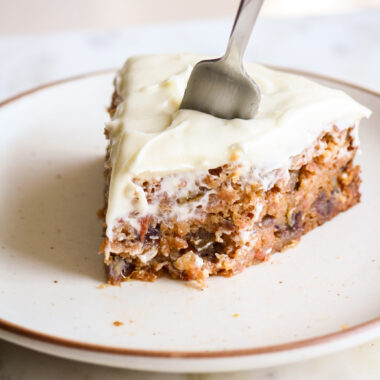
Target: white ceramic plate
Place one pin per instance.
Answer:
(319, 297)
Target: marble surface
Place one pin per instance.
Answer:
(346, 47)
(361, 363)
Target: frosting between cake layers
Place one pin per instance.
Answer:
(150, 136)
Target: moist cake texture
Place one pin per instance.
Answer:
(192, 195)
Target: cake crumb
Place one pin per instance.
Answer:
(102, 286)
(118, 323)
(235, 315)
(101, 213)
(344, 326)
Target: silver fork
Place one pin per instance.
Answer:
(221, 87)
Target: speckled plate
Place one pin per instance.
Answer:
(319, 297)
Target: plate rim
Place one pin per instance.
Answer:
(22, 331)
(216, 354)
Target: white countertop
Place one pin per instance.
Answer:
(345, 47)
(361, 363)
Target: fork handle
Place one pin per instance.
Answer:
(241, 31)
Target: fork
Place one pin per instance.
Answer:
(221, 87)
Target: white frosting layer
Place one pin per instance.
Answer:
(150, 136)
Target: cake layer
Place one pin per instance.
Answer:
(232, 222)
(150, 137)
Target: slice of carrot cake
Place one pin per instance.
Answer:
(192, 195)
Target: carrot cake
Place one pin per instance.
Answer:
(191, 195)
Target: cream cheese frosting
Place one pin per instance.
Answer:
(150, 136)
